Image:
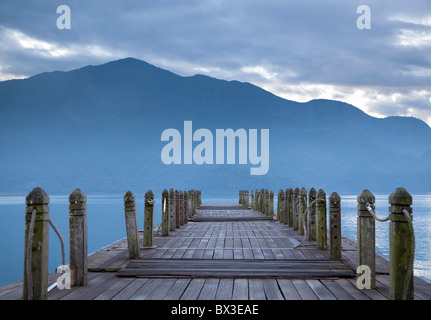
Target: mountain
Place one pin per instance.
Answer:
(99, 128)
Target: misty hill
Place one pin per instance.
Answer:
(99, 128)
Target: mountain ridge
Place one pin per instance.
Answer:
(107, 120)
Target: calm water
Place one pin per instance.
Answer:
(105, 218)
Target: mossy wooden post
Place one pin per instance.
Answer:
(189, 204)
(37, 201)
(266, 202)
(78, 238)
(247, 198)
(366, 246)
(186, 207)
(321, 226)
(199, 198)
(252, 199)
(148, 220)
(280, 206)
(131, 225)
(271, 203)
(172, 206)
(165, 213)
(400, 246)
(177, 209)
(289, 207)
(296, 209)
(181, 207)
(335, 226)
(311, 235)
(302, 206)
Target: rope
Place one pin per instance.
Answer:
(306, 212)
(412, 254)
(29, 255)
(370, 210)
(63, 256)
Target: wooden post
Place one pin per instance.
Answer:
(186, 207)
(280, 207)
(296, 209)
(181, 194)
(366, 247)
(312, 215)
(335, 226)
(37, 264)
(247, 198)
(289, 207)
(148, 220)
(271, 203)
(131, 225)
(177, 209)
(321, 228)
(172, 206)
(189, 204)
(302, 207)
(252, 199)
(165, 213)
(199, 198)
(78, 238)
(400, 246)
(267, 202)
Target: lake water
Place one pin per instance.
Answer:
(105, 219)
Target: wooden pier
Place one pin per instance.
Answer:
(225, 252)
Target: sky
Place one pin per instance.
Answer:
(299, 50)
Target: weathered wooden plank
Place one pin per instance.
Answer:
(240, 289)
(116, 285)
(209, 289)
(272, 291)
(148, 287)
(91, 290)
(177, 289)
(338, 291)
(353, 290)
(193, 290)
(304, 290)
(288, 289)
(130, 290)
(256, 289)
(224, 290)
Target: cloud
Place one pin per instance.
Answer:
(297, 49)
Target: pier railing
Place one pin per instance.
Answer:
(301, 210)
(308, 215)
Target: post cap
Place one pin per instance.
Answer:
(129, 197)
(165, 193)
(366, 196)
(401, 197)
(149, 194)
(77, 196)
(37, 196)
(296, 191)
(303, 192)
(321, 194)
(289, 191)
(312, 191)
(334, 198)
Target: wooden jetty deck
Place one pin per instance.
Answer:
(226, 252)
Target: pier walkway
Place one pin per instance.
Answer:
(226, 252)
